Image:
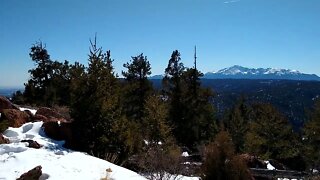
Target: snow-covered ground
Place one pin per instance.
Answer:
(57, 162)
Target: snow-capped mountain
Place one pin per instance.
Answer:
(239, 72)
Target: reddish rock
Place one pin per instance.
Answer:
(59, 131)
(32, 144)
(33, 174)
(29, 113)
(6, 104)
(4, 140)
(49, 113)
(15, 118)
(253, 161)
(38, 117)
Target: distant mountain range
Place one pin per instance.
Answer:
(239, 72)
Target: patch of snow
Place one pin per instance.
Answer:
(146, 142)
(185, 154)
(57, 162)
(269, 166)
(33, 111)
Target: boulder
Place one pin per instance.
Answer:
(49, 113)
(4, 140)
(253, 161)
(32, 144)
(276, 164)
(6, 104)
(29, 113)
(33, 174)
(59, 131)
(14, 117)
(38, 117)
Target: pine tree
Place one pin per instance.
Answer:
(270, 135)
(36, 88)
(199, 114)
(311, 138)
(190, 109)
(156, 127)
(137, 87)
(95, 103)
(172, 90)
(236, 122)
(50, 80)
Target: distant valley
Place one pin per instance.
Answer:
(293, 98)
(7, 92)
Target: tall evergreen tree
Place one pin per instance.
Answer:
(270, 135)
(311, 138)
(156, 127)
(36, 87)
(190, 109)
(95, 106)
(199, 115)
(172, 89)
(50, 80)
(237, 123)
(138, 87)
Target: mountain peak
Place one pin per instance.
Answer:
(240, 72)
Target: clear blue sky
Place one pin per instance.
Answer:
(252, 33)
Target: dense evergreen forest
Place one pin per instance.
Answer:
(293, 98)
(130, 119)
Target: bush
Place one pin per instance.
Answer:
(221, 162)
(158, 162)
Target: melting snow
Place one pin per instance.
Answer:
(57, 162)
(33, 111)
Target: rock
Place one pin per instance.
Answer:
(59, 131)
(6, 104)
(32, 144)
(49, 113)
(29, 113)
(277, 165)
(33, 174)
(4, 140)
(38, 117)
(15, 118)
(253, 161)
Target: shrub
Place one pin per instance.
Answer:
(221, 162)
(159, 162)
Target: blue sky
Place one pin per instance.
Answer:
(252, 33)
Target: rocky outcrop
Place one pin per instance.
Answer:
(49, 113)
(6, 104)
(4, 140)
(32, 144)
(33, 174)
(15, 118)
(59, 131)
(253, 161)
(38, 117)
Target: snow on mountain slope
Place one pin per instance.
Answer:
(239, 72)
